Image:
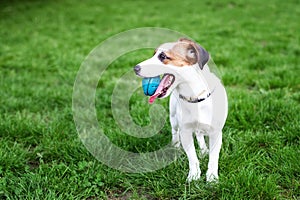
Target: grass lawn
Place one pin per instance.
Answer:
(255, 44)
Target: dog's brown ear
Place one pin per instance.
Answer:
(197, 52)
(203, 56)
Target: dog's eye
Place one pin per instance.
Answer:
(162, 56)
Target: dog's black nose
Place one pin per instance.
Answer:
(137, 69)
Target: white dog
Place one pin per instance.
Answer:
(198, 101)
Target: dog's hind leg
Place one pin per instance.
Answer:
(175, 132)
(175, 137)
(202, 143)
(174, 121)
(215, 143)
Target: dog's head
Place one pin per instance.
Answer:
(172, 60)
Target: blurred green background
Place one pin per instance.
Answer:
(255, 45)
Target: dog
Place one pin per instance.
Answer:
(198, 100)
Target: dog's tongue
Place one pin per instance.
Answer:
(159, 89)
(153, 97)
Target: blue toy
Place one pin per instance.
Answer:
(150, 85)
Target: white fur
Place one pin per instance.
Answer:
(204, 118)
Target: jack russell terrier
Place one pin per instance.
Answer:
(198, 100)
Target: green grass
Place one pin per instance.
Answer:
(255, 45)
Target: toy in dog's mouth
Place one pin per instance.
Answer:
(165, 83)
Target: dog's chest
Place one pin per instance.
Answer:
(193, 114)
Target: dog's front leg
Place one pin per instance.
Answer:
(187, 142)
(215, 142)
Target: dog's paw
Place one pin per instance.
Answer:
(194, 175)
(212, 177)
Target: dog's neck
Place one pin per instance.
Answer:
(195, 83)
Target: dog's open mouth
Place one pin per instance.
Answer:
(165, 83)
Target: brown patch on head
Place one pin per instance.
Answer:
(181, 54)
(185, 40)
(184, 52)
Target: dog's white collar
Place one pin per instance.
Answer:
(195, 99)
